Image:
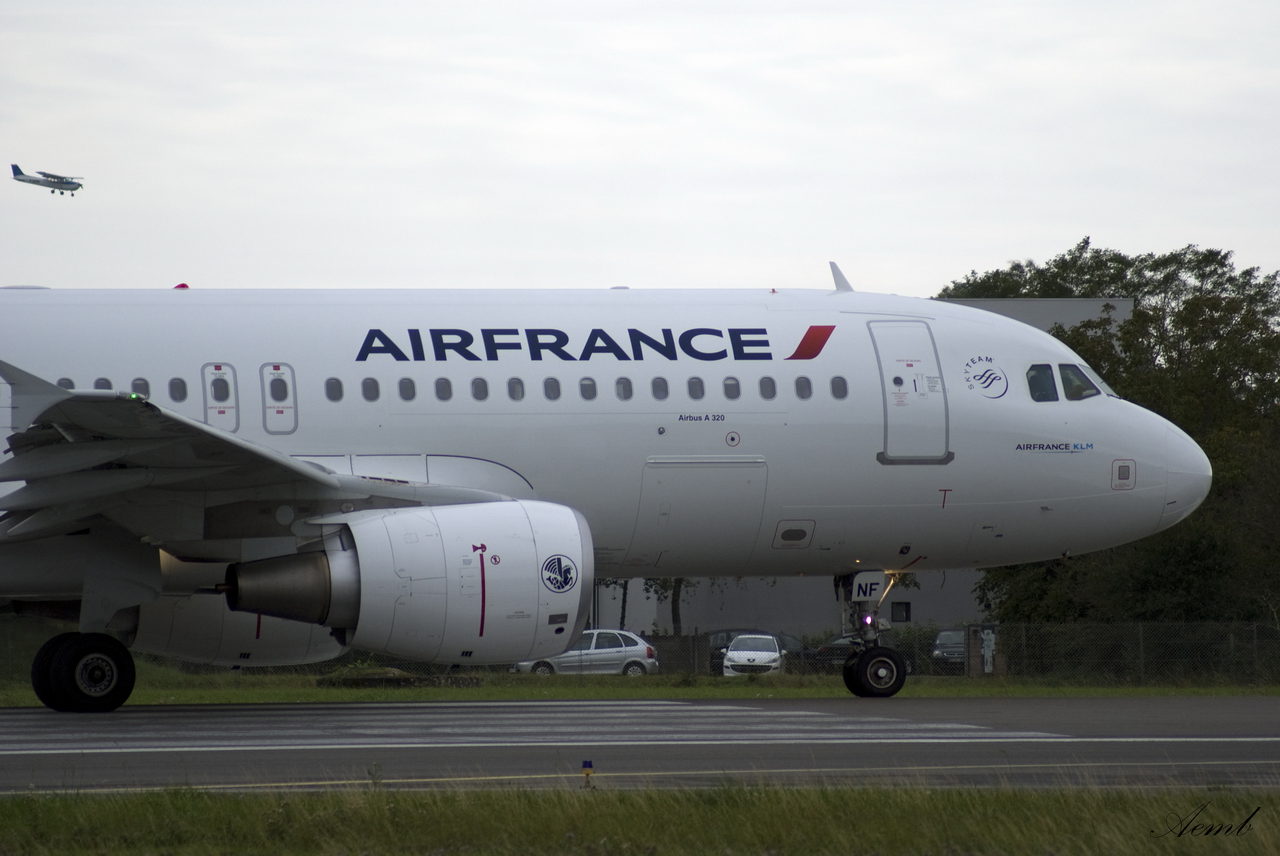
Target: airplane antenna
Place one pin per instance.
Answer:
(842, 284)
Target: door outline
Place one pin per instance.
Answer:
(883, 456)
(279, 417)
(227, 416)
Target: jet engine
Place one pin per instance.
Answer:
(494, 582)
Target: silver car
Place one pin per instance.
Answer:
(599, 652)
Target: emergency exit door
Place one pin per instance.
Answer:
(221, 396)
(279, 408)
(916, 429)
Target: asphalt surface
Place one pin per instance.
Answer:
(1146, 742)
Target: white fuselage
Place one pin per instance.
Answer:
(905, 437)
(52, 183)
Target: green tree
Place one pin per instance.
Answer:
(1202, 349)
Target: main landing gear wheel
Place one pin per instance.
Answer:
(83, 672)
(877, 672)
(41, 674)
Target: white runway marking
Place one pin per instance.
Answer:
(496, 725)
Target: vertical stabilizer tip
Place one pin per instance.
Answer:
(842, 284)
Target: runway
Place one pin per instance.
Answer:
(1147, 742)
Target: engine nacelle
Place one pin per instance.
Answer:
(200, 628)
(494, 582)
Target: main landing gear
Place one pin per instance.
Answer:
(871, 670)
(83, 673)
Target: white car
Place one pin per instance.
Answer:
(751, 654)
(599, 652)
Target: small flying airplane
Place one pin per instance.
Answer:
(55, 183)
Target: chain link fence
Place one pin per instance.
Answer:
(1089, 654)
(1109, 654)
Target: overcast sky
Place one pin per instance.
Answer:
(647, 144)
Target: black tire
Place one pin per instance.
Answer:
(634, 670)
(542, 667)
(42, 671)
(92, 673)
(879, 672)
(850, 674)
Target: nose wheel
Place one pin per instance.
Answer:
(83, 672)
(877, 672)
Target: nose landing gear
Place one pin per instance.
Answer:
(871, 670)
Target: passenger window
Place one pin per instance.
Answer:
(333, 389)
(1076, 385)
(696, 388)
(584, 644)
(479, 389)
(369, 389)
(515, 389)
(631, 641)
(551, 389)
(66, 383)
(768, 389)
(587, 387)
(1040, 383)
(660, 391)
(102, 383)
(278, 389)
(839, 388)
(607, 640)
(141, 386)
(220, 389)
(444, 389)
(177, 389)
(623, 388)
(732, 389)
(408, 389)
(804, 388)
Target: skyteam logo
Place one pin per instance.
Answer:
(982, 374)
(559, 574)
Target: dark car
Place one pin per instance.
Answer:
(949, 651)
(829, 658)
(799, 655)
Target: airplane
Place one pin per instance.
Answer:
(60, 184)
(270, 477)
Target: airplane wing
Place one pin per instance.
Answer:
(57, 177)
(87, 452)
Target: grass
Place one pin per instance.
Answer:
(727, 820)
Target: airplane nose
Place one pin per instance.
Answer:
(1189, 477)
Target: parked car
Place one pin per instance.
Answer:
(831, 655)
(799, 656)
(599, 652)
(753, 653)
(718, 640)
(949, 650)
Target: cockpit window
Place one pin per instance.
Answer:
(1076, 385)
(1040, 382)
(1097, 378)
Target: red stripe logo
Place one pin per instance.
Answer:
(815, 339)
